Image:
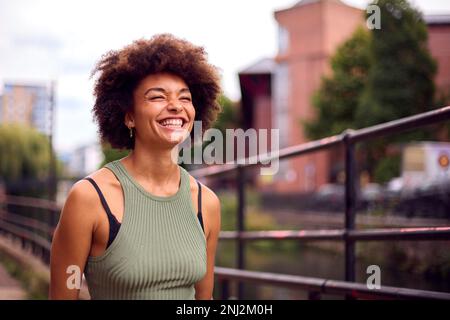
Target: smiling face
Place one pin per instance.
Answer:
(163, 114)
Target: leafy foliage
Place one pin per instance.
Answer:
(24, 159)
(378, 76)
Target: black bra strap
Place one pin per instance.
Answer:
(200, 218)
(103, 200)
(114, 224)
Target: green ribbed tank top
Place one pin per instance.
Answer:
(159, 251)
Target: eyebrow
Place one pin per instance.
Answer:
(164, 91)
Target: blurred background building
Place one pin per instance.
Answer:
(27, 104)
(277, 91)
(77, 164)
(83, 160)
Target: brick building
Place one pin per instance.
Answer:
(28, 105)
(276, 92)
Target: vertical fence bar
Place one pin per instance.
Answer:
(225, 289)
(350, 201)
(53, 222)
(314, 295)
(240, 226)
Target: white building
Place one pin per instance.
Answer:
(84, 160)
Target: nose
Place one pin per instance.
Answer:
(173, 106)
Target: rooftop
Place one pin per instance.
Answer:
(262, 66)
(437, 18)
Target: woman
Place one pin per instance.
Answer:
(141, 227)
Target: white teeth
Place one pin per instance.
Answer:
(172, 122)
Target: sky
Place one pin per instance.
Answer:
(44, 40)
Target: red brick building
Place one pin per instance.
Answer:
(276, 92)
(439, 45)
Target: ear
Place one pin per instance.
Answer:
(129, 120)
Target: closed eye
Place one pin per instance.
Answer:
(158, 97)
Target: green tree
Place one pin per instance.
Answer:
(400, 82)
(400, 79)
(24, 160)
(377, 77)
(229, 117)
(111, 154)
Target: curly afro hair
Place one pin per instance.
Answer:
(119, 73)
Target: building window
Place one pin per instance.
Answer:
(310, 177)
(280, 96)
(280, 119)
(283, 40)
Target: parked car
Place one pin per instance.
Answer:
(330, 197)
(371, 196)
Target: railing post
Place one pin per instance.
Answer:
(225, 288)
(350, 208)
(53, 220)
(240, 226)
(314, 295)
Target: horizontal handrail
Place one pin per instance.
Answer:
(25, 234)
(403, 124)
(419, 233)
(284, 153)
(351, 135)
(326, 286)
(26, 222)
(30, 202)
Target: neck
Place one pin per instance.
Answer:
(154, 165)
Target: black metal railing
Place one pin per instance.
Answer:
(36, 234)
(33, 233)
(348, 234)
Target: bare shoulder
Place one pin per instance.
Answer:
(209, 197)
(83, 198)
(212, 201)
(81, 191)
(210, 205)
(104, 177)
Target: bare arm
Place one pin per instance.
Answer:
(71, 243)
(204, 288)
